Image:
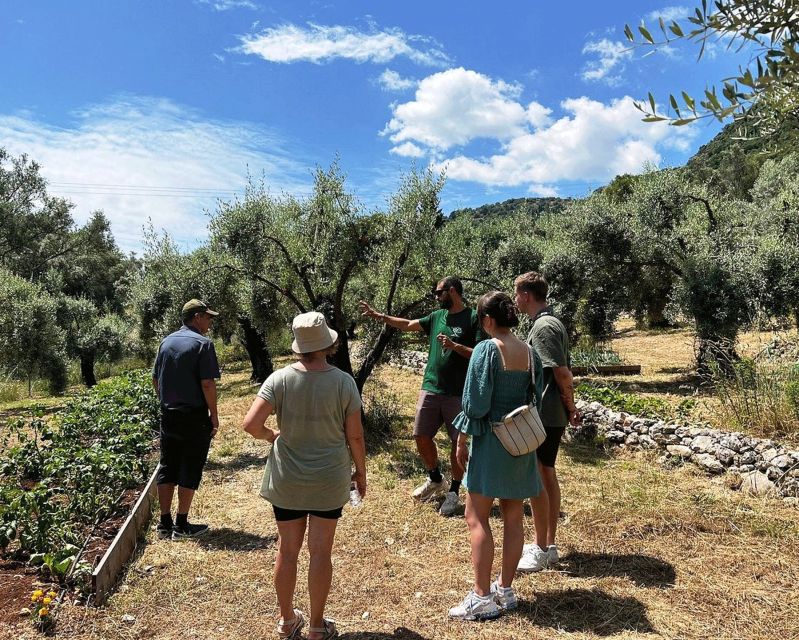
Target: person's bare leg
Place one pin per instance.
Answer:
(478, 509)
(185, 496)
(512, 539)
(549, 478)
(165, 495)
(457, 472)
(289, 543)
(427, 451)
(321, 532)
(540, 507)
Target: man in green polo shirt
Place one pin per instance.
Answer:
(452, 332)
(550, 340)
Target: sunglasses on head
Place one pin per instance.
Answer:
(439, 292)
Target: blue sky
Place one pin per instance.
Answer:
(153, 109)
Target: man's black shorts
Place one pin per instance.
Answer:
(185, 440)
(548, 451)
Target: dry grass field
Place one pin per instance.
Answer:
(647, 552)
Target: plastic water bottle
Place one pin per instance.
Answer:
(355, 496)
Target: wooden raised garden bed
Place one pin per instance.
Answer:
(608, 370)
(124, 544)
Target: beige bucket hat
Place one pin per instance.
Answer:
(311, 333)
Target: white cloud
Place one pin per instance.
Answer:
(226, 5)
(456, 106)
(319, 43)
(392, 81)
(140, 158)
(611, 56)
(592, 141)
(669, 13)
(408, 150)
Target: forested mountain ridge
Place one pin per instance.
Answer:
(533, 206)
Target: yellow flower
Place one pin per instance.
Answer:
(51, 594)
(46, 601)
(43, 612)
(38, 593)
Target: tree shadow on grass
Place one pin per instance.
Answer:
(685, 385)
(243, 460)
(586, 452)
(400, 633)
(641, 570)
(235, 540)
(586, 610)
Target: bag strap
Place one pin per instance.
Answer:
(531, 360)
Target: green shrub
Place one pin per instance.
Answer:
(760, 396)
(590, 355)
(627, 402)
(382, 413)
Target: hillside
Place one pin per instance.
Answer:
(533, 206)
(717, 152)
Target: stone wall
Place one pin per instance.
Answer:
(763, 465)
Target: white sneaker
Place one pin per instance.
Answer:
(430, 490)
(505, 597)
(533, 559)
(476, 607)
(450, 504)
(552, 552)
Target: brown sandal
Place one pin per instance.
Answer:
(329, 630)
(290, 629)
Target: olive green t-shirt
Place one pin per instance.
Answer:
(308, 467)
(445, 372)
(550, 340)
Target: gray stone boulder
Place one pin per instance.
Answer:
(708, 463)
(756, 484)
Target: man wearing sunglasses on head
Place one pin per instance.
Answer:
(453, 330)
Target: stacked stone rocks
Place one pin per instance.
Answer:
(763, 465)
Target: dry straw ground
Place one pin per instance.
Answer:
(649, 552)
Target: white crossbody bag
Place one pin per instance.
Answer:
(521, 431)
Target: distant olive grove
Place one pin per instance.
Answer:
(714, 245)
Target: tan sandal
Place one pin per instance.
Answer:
(290, 629)
(329, 631)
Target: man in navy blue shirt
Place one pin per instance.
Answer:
(184, 377)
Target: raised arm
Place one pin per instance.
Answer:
(402, 324)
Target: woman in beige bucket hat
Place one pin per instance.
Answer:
(308, 471)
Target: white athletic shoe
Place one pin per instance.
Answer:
(450, 504)
(533, 559)
(554, 556)
(430, 490)
(505, 597)
(476, 607)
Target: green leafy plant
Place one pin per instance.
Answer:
(627, 402)
(58, 477)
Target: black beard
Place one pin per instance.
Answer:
(446, 302)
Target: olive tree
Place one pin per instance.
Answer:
(765, 92)
(31, 342)
(313, 252)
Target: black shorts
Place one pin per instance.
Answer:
(185, 441)
(283, 515)
(548, 450)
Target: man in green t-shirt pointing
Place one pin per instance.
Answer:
(452, 332)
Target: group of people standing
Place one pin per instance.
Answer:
(477, 371)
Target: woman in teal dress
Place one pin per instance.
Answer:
(498, 380)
